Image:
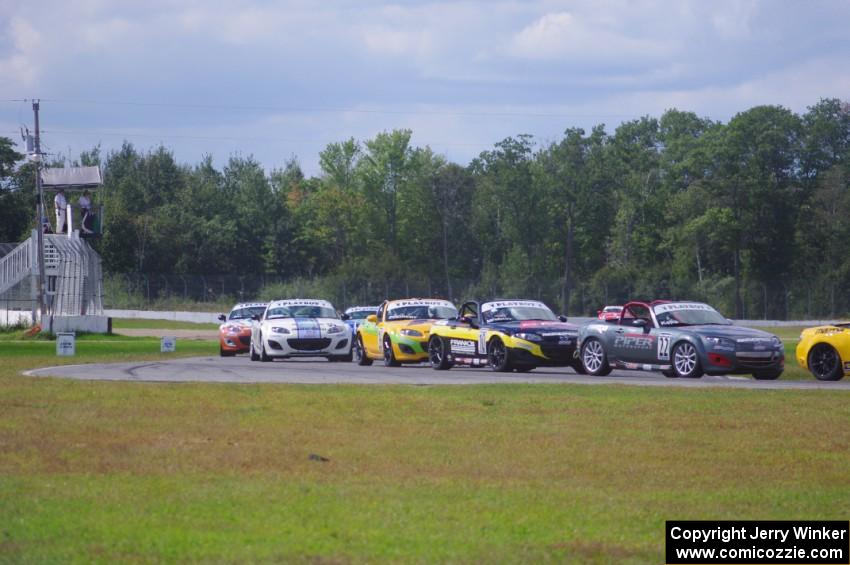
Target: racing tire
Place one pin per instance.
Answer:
(389, 354)
(767, 375)
(360, 354)
(593, 358)
(438, 355)
(347, 358)
(254, 356)
(825, 363)
(222, 352)
(264, 357)
(578, 367)
(685, 360)
(498, 356)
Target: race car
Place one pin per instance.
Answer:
(825, 351)
(300, 328)
(506, 335)
(355, 315)
(234, 334)
(609, 313)
(398, 332)
(681, 339)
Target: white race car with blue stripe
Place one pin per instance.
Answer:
(300, 328)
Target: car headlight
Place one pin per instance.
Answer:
(411, 333)
(529, 336)
(233, 329)
(776, 341)
(279, 330)
(335, 329)
(714, 341)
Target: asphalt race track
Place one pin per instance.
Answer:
(319, 371)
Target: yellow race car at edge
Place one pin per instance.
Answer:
(825, 351)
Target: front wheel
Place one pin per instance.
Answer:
(593, 358)
(264, 357)
(224, 352)
(578, 367)
(437, 354)
(498, 356)
(360, 354)
(824, 363)
(254, 356)
(686, 361)
(389, 354)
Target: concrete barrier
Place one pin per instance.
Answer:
(196, 317)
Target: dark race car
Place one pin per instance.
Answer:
(506, 335)
(681, 339)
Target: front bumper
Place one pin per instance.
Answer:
(543, 354)
(239, 343)
(743, 362)
(293, 346)
(410, 349)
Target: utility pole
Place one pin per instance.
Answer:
(40, 211)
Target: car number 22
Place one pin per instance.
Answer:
(664, 347)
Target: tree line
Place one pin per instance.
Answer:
(752, 215)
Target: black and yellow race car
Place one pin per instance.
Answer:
(505, 335)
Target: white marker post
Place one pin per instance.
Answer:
(168, 344)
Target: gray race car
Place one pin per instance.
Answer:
(680, 339)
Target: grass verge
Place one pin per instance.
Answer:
(106, 471)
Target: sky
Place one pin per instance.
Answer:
(276, 80)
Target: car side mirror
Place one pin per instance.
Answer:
(562, 318)
(222, 318)
(371, 318)
(345, 317)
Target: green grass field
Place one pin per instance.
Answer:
(119, 324)
(108, 471)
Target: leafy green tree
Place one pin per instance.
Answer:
(17, 203)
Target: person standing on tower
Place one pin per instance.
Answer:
(60, 204)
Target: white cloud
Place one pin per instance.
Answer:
(564, 35)
(21, 64)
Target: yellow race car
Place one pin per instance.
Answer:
(825, 351)
(398, 333)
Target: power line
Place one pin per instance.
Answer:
(330, 109)
(219, 138)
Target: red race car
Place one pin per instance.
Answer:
(610, 313)
(234, 334)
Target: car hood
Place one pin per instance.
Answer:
(533, 326)
(304, 323)
(731, 332)
(244, 323)
(413, 324)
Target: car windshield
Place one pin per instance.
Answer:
(688, 315)
(519, 313)
(298, 311)
(422, 312)
(360, 314)
(613, 309)
(245, 313)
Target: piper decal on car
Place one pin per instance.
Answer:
(633, 342)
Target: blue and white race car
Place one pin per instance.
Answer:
(355, 316)
(300, 328)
